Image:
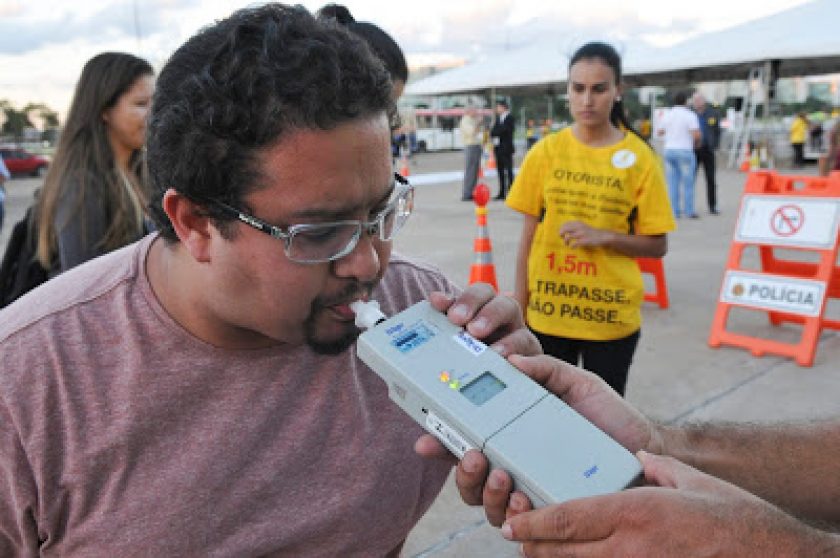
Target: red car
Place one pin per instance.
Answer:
(20, 161)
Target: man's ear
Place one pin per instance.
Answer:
(192, 225)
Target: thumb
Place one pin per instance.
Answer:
(661, 470)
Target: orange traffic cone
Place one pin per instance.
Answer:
(491, 160)
(404, 170)
(482, 269)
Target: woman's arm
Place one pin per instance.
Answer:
(529, 226)
(579, 234)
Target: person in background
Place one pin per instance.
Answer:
(710, 489)
(503, 149)
(645, 128)
(704, 153)
(798, 134)
(197, 392)
(531, 134)
(681, 129)
(472, 133)
(546, 128)
(830, 162)
(408, 118)
(4, 176)
(95, 193)
(593, 199)
(382, 44)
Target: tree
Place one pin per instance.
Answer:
(47, 117)
(16, 120)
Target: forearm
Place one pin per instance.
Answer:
(520, 289)
(794, 466)
(529, 226)
(637, 245)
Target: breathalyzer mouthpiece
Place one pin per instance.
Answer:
(367, 313)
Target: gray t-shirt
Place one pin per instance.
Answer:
(121, 434)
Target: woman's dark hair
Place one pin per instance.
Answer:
(85, 160)
(244, 84)
(609, 56)
(382, 44)
(680, 98)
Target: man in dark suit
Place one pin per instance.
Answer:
(502, 134)
(705, 153)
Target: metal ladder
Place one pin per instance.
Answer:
(742, 133)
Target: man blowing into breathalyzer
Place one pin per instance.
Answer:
(196, 393)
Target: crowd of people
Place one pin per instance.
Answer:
(186, 384)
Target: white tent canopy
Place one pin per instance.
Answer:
(801, 41)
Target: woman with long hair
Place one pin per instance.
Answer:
(593, 198)
(94, 195)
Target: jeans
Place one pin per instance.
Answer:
(679, 172)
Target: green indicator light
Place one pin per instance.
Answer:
(454, 384)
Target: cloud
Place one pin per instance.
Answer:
(24, 30)
(502, 26)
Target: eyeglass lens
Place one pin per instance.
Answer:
(313, 243)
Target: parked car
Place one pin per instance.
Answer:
(19, 161)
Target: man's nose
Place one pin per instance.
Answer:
(363, 262)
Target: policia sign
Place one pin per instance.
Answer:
(773, 292)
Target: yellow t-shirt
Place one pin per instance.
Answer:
(588, 293)
(798, 130)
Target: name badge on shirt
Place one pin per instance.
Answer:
(497, 140)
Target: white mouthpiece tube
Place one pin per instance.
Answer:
(367, 313)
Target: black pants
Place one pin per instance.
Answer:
(609, 359)
(798, 154)
(706, 159)
(504, 166)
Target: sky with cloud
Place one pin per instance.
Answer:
(45, 43)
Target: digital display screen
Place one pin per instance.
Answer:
(483, 388)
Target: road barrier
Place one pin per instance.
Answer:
(799, 215)
(653, 266)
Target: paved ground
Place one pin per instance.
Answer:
(675, 376)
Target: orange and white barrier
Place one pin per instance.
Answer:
(800, 215)
(654, 267)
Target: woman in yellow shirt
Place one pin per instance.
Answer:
(593, 198)
(798, 133)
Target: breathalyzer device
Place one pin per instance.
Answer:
(469, 397)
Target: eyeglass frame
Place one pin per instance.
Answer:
(286, 234)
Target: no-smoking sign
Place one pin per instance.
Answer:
(787, 220)
(796, 221)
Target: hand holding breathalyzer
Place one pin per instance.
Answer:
(583, 391)
(471, 398)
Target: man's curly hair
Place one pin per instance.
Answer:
(244, 84)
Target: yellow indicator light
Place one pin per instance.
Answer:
(444, 377)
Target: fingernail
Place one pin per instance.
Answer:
(469, 465)
(499, 348)
(459, 311)
(507, 532)
(495, 482)
(480, 323)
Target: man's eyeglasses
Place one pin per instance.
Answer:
(324, 242)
